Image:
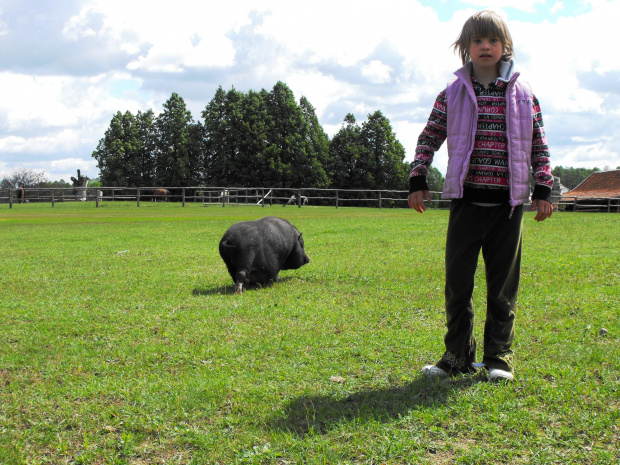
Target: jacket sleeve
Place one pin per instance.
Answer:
(430, 140)
(541, 163)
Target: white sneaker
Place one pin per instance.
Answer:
(433, 371)
(495, 374)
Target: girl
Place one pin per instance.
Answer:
(495, 133)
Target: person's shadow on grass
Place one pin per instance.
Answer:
(318, 414)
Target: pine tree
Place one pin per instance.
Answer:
(173, 161)
(125, 153)
(347, 154)
(386, 153)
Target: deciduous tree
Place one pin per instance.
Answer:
(23, 177)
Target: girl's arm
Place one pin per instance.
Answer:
(541, 167)
(541, 163)
(430, 140)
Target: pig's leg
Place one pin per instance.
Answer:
(240, 278)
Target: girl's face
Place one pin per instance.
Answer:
(486, 52)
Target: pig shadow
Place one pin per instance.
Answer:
(319, 414)
(230, 289)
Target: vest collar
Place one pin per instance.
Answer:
(507, 71)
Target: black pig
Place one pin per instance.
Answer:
(255, 251)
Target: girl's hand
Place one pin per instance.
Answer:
(545, 209)
(416, 200)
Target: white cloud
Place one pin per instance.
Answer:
(67, 167)
(63, 140)
(598, 155)
(318, 88)
(78, 27)
(377, 72)
(557, 7)
(178, 34)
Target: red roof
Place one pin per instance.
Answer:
(600, 185)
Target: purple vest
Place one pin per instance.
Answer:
(462, 121)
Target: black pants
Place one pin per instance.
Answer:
(497, 233)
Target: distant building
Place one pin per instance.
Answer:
(598, 192)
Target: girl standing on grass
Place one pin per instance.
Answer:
(495, 133)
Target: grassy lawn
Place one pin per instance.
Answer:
(121, 342)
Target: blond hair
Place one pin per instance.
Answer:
(485, 23)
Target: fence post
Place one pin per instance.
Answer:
(299, 198)
(336, 199)
(10, 198)
(379, 199)
(263, 197)
(138, 196)
(183, 194)
(52, 199)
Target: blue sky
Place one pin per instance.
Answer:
(527, 11)
(66, 70)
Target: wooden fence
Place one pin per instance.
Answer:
(593, 204)
(229, 196)
(224, 196)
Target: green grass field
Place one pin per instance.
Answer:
(121, 342)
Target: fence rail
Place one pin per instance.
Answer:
(229, 196)
(592, 204)
(225, 196)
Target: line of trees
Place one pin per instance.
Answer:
(253, 139)
(248, 140)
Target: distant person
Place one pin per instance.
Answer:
(495, 131)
